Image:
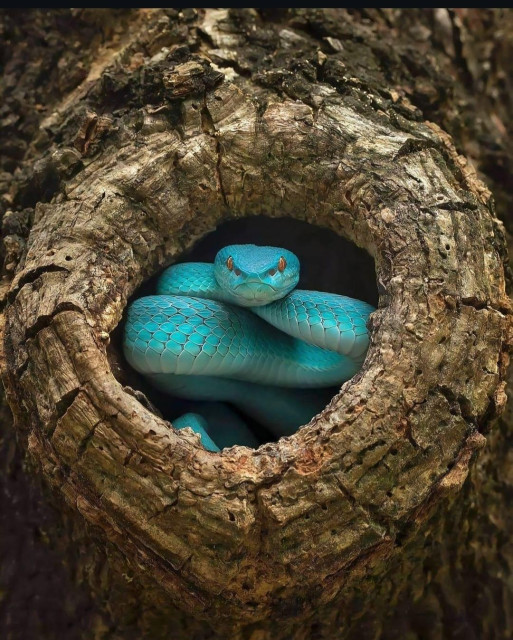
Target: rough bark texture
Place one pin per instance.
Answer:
(145, 138)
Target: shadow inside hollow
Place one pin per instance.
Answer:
(328, 263)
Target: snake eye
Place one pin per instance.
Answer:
(272, 272)
(282, 263)
(229, 263)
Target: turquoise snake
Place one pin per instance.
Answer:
(238, 331)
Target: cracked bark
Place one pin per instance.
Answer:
(182, 121)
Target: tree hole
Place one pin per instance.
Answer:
(329, 263)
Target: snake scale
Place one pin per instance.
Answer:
(238, 331)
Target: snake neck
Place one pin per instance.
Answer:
(193, 279)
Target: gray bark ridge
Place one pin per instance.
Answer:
(241, 535)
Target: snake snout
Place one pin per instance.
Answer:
(255, 291)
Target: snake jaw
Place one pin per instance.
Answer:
(254, 293)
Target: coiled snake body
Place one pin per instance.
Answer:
(238, 331)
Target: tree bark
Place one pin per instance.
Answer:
(386, 515)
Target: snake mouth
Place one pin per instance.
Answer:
(255, 293)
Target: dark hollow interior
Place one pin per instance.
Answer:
(328, 262)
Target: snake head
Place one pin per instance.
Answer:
(254, 275)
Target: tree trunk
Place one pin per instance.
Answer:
(128, 143)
